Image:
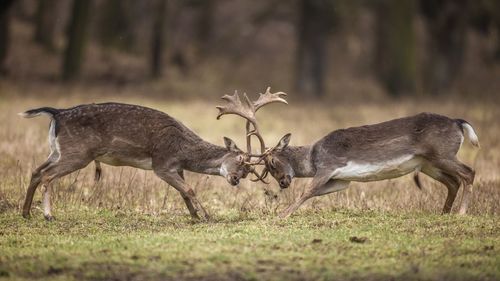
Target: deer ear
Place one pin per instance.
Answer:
(230, 145)
(283, 143)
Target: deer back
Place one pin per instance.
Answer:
(113, 127)
(425, 134)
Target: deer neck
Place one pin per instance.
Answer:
(300, 158)
(205, 158)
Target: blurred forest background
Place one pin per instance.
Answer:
(330, 49)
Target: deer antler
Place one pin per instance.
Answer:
(246, 109)
(268, 97)
(263, 99)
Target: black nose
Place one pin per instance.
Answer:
(235, 180)
(284, 183)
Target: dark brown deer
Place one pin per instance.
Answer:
(130, 135)
(426, 143)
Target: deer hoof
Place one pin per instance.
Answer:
(284, 215)
(49, 217)
(26, 215)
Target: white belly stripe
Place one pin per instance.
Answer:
(359, 171)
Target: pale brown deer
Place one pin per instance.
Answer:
(426, 143)
(130, 135)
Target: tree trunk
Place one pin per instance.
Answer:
(45, 23)
(116, 24)
(395, 59)
(205, 26)
(158, 39)
(446, 25)
(77, 39)
(312, 37)
(4, 33)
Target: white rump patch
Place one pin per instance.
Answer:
(471, 134)
(397, 167)
(55, 151)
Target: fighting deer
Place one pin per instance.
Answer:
(426, 143)
(130, 135)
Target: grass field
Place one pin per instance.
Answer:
(132, 226)
(315, 245)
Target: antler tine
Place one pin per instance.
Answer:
(263, 99)
(243, 108)
(269, 97)
(260, 177)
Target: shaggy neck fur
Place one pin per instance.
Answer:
(209, 158)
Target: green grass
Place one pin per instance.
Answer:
(312, 245)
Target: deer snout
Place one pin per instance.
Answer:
(285, 181)
(233, 179)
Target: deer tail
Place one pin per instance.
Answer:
(469, 131)
(38, 111)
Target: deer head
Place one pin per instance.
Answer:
(278, 164)
(235, 164)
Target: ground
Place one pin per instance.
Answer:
(132, 226)
(315, 245)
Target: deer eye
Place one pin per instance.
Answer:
(240, 159)
(272, 163)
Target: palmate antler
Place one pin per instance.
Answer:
(246, 109)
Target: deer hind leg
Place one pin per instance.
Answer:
(36, 178)
(54, 171)
(453, 184)
(176, 180)
(467, 175)
(46, 202)
(447, 172)
(462, 174)
(319, 185)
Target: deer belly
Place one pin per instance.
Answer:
(144, 163)
(374, 171)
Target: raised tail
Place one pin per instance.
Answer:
(469, 131)
(37, 111)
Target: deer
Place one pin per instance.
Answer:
(424, 143)
(130, 135)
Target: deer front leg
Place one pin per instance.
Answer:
(292, 208)
(176, 180)
(98, 171)
(318, 188)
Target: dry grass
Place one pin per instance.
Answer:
(23, 146)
